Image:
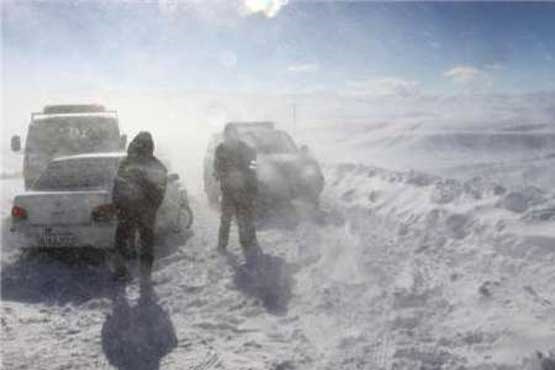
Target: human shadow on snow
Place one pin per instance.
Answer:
(137, 337)
(60, 276)
(57, 277)
(270, 279)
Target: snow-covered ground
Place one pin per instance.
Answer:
(434, 249)
(473, 282)
(402, 271)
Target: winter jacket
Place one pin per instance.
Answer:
(234, 166)
(141, 178)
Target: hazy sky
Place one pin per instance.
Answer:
(181, 69)
(358, 47)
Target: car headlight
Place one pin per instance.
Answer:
(252, 165)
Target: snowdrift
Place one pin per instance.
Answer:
(466, 266)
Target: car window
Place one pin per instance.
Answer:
(59, 136)
(272, 142)
(78, 174)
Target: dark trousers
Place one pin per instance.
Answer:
(242, 206)
(129, 223)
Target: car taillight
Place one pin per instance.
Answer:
(19, 213)
(104, 213)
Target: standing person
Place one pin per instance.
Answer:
(139, 189)
(235, 168)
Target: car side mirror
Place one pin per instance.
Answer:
(16, 143)
(123, 141)
(304, 149)
(173, 177)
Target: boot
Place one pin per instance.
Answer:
(145, 285)
(146, 269)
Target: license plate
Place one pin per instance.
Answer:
(57, 239)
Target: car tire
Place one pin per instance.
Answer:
(179, 231)
(186, 217)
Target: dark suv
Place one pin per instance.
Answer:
(284, 171)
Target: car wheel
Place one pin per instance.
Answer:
(185, 217)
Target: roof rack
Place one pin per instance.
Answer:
(253, 125)
(73, 110)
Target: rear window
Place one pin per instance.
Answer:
(78, 174)
(58, 136)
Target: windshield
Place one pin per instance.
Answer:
(68, 175)
(58, 136)
(271, 142)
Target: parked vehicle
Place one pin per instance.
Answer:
(70, 205)
(61, 130)
(284, 171)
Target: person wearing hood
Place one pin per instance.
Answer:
(138, 192)
(235, 169)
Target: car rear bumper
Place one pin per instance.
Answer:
(99, 236)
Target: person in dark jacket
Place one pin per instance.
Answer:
(235, 168)
(138, 192)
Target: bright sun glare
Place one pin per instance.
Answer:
(269, 7)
